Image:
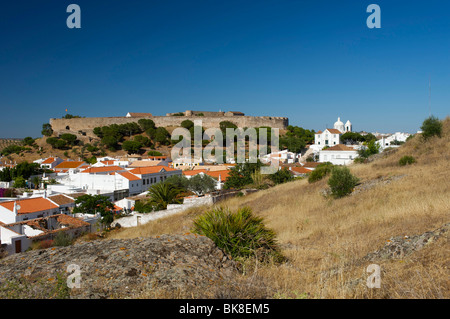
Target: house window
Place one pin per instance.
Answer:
(326, 141)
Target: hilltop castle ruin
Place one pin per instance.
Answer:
(85, 126)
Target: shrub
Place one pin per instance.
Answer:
(239, 234)
(406, 160)
(154, 153)
(341, 181)
(320, 172)
(62, 239)
(281, 176)
(431, 127)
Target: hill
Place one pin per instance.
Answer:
(397, 218)
(329, 243)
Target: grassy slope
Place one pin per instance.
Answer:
(319, 235)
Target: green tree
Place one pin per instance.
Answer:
(179, 181)
(341, 181)
(36, 180)
(132, 147)
(19, 182)
(145, 124)
(369, 148)
(145, 141)
(201, 184)
(292, 143)
(47, 129)
(162, 136)
(110, 142)
(28, 141)
(187, 124)
(163, 194)
(431, 126)
(241, 175)
(92, 204)
(70, 139)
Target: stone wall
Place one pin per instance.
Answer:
(86, 125)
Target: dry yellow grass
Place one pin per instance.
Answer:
(325, 239)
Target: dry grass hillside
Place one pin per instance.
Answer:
(326, 240)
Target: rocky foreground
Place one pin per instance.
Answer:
(132, 268)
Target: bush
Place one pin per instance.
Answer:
(341, 181)
(406, 160)
(320, 172)
(62, 239)
(154, 153)
(281, 176)
(239, 234)
(431, 127)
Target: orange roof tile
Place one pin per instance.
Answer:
(224, 174)
(129, 176)
(140, 114)
(108, 162)
(30, 205)
(61, 199)
(339, 147)
(49, 160)
(103, 169)
(300, 170)
(151, 170)
(194, 172)
(69, 164)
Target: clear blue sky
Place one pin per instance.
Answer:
(311, 61)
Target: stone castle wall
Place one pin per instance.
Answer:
(87, 125)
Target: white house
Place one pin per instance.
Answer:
(24, 209)
(284, 157)
(51, 162)
(339, 154)
(153, 174)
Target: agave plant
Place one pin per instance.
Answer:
(240, 234)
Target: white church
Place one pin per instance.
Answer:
(331, 136)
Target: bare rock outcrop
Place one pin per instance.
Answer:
(116, 268)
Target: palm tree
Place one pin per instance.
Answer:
(163, 194)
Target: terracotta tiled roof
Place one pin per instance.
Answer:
(61, 199)
(71, 221)
(334, 131)
(151, 170)
(224, 174)
(136, 164)
(140, 114)
(311, 164)
(49, 160)
(109, 162)
(339, 147)
(69, 164)
(129, 176)
(194, 172)
(30, 205)
(103, 169)
(300, 170)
